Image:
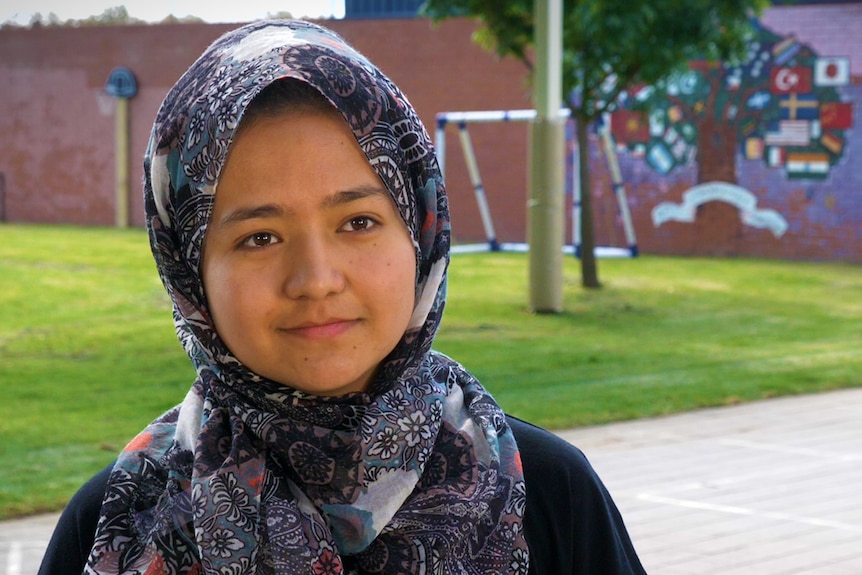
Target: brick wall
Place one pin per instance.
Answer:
(57, 143)
(57, 125)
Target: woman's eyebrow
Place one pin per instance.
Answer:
(275, 210)
(251, 213)
(352, 195)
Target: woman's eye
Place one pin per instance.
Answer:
(259, 240)
(359, 223)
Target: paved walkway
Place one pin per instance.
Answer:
(765, 488)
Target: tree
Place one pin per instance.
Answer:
(117, 15)
(113, 16)
(779, 103)
(608, 46)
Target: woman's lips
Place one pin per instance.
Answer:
(322, 330)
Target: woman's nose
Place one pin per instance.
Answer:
(313, 271)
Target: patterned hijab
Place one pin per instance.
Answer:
(418, 474)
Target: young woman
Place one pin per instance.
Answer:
(299, 222)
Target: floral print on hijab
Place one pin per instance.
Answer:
(419, 474)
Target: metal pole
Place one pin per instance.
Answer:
(547, 170)
(619, 188)
(121, 128)
(2, 197)
(440, 144)
(478, 188)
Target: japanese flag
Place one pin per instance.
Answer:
(833, 71)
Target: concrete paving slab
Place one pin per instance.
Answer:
(768, 487)
(22, 543)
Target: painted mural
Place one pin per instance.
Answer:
(785, 108)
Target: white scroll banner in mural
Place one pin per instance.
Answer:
(721, 192)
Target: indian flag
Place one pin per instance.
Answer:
(807, 165)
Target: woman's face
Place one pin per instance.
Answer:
(308, 268)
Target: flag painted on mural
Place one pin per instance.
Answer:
(799, 107)
(748, 126)
(832, 71)
(816, 129)
(775, 157)
(629, 127)
(786, 80)
(785, 50)
(759, 100)
(807, 164)
(788, 133)
(753, 148)
(659, 158)
(832, 143)
(836, 115)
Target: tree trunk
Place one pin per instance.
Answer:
(718, 227)
(589, 268)
(716, 151)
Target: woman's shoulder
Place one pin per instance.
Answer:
(571, 522)
(76, 528)
(546, 451)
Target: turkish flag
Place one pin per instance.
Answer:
(792, 79)
(836, 115)
(629, 127)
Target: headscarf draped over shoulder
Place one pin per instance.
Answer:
(418, 474)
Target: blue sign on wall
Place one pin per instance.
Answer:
(121, 83)
(359, 9)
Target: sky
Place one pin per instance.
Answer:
(211, 11)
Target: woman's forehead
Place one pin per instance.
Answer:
(294, 161)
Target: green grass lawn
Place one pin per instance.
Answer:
(88, 353)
